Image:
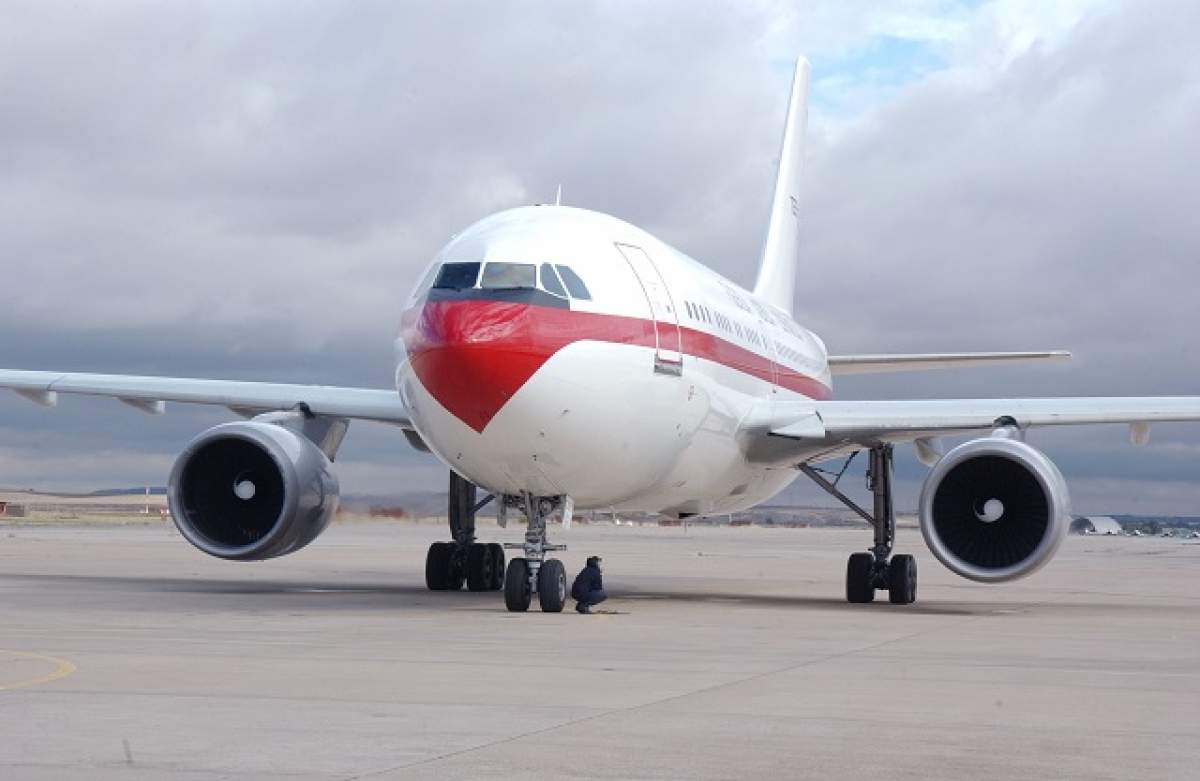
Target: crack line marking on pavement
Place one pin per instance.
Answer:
(62, 668)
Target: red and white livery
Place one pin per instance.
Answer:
(562, 359)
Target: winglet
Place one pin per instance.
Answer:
(777, 271)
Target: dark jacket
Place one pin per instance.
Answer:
(587, 581)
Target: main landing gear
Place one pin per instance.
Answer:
(870, 571)
(450, 564)
(534, 573)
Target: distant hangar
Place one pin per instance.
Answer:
(1096, 524)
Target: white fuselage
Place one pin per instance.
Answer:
(628, 395)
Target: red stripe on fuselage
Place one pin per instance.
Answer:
(473, 355)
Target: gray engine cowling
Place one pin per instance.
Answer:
(994, 509)
(251, 491)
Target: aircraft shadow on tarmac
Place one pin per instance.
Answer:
(323, 595)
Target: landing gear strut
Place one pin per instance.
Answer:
(450, 564)
(870, 571)
(534, 573)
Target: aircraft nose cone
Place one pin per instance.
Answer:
(473, 356)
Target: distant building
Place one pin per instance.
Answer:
(1096, 524)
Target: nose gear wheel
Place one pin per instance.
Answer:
(552, 586)
(517, 591)
(535, 573)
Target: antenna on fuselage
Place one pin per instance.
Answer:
(776, 282)
(558, 196)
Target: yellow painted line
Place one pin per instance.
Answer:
(62, 668)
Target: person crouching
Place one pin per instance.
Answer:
(588, 588)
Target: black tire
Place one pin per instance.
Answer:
(497, 551)
(479, 567)
(517, 594)
(552, 586)
(902, 580)
(860, 578)
(457, 573)
(437, 566)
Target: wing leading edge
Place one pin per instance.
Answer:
(150, 394)
(809, 431)
(841, 365)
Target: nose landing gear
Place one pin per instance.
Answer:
(534, 573)
(870, 571)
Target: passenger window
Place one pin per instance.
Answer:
(457, 276)
(550, 281)
(574, 284)
(508, 275)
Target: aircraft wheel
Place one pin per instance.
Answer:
(479, 567)
(860, 578)
(552, 586)
(517, 594)
(497, 553)
(902, 580)
(437, 566)
(458, 568)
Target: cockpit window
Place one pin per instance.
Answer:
(574, 284)
(550, 282)
(509, 275)
(426, 282)
(457, 276)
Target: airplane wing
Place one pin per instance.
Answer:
(811, 431)
(150, 394)
(841, 365)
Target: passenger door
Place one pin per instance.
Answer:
(668, 347)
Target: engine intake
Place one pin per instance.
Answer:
(251, 491)
(994, 509)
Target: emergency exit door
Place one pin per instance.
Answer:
(668, 348)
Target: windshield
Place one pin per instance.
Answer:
(457, 276)
(550, 281)
(574, 284)
(509, 275)
(557, 279)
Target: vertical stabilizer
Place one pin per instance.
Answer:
(777, 271)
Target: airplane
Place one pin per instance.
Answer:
(561, 359)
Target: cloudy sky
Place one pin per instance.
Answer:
(246, 190)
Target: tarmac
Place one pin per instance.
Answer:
(728, 653)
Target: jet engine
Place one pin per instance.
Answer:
(994, 509)
(252, 490)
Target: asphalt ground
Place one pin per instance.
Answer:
(728, 654)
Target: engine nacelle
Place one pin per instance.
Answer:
(994, 509)
(252, 490)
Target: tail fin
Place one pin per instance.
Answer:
(777, 271)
